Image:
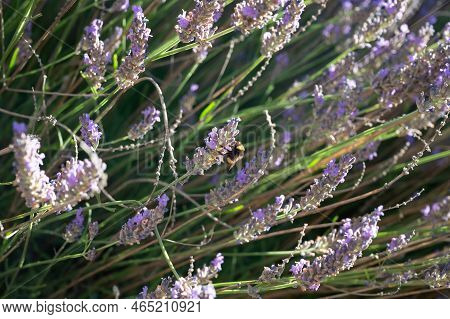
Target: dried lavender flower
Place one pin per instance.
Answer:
(151, 116)
(32, 182)
(91, 254)
(250, 15)
(133, 65)
(352, 238)
(75, 228)
(90, 131)
(79, 180)
(278, 36)
(218, 143)
(142, 225)
(95, 57)
(248, 175)
(400, 242)
(93, 230)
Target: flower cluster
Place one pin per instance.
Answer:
(279, 35)
(133, 65)
(79, 180)
(198, 25)
(95, 57)
(400, 242)
(32, 182)
(248, 175)
(386, 14)
(90, 131)
(254, 14)
(198, 286)
(352, 238)
(368, 152)
(333, 175)
(218, 143)
(151, 116)
(75, 228)
(142, 225)
(263, 219)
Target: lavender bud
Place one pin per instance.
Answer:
(142, 225)
(93, 230)
(91, 254)
(78, 181)
(352, 238)
(89, 131)
(95, 57)
(274, 40)
(218, 143)
(133, 65)
(32, 182)
(368, 152)
(151, 116)
(75, 228)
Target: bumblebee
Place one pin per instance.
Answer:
(235, 155)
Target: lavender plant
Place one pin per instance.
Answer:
(159, 150)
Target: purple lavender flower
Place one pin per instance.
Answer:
(32, 182)
(113, 43)
(250, 15)
(93, 230)
(218, 143)
(245, 177)
(400, 242)
(95, 57)
(367, 152)
(120, 5)
(133, 65)
(274, 40)
(438, 212)
(78, 181)
(142, 225)
(352, 238)
(263, 219)
(75, 228)
(333, 175)
(151, 116)
(89, 131)
(198, 25)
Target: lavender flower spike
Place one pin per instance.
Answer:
(75, 228)
(438, 212)
(151, 116)
(352, 238)
(32, 182)
(90, 131)
(218, 143)
(254, 14)
(400, 242)
(93, 230)
(78, 181)
(140, 226)
(262, 220)
(95, 57)
(274, 40)
(133, 65)
(333, 175)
